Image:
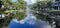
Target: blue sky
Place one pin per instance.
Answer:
(28, 1)
(14, 0)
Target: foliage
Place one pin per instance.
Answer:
(20, 4)
(39, 4)
(18, 16)
(49, 4)
(10, 7)
(14, 5)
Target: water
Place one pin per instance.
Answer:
(30, 18)
(29, 22)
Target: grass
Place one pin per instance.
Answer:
(54, 11)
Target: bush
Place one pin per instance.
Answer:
(18, 16)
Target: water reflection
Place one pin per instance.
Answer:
(29, 22)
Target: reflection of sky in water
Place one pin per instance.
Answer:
(29, 22)
(38, 24)
(13, 24)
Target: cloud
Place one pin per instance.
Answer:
(33, 1)
(30, 1)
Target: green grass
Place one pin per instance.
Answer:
(10, 11)
(54, 11)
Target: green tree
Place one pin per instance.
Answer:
(49, 4)
(18, 6)
(38, 5)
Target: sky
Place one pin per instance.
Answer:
(14, 0)
(28, 1)
(31, 1)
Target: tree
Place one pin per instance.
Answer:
(41, 14)
(49, 4)
(7, 4)
(38, 5)
(16, 6)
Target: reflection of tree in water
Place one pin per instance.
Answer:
(7, 7)
(55, 18)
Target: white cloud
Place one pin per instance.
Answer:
(33, 1)
(30, 1)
